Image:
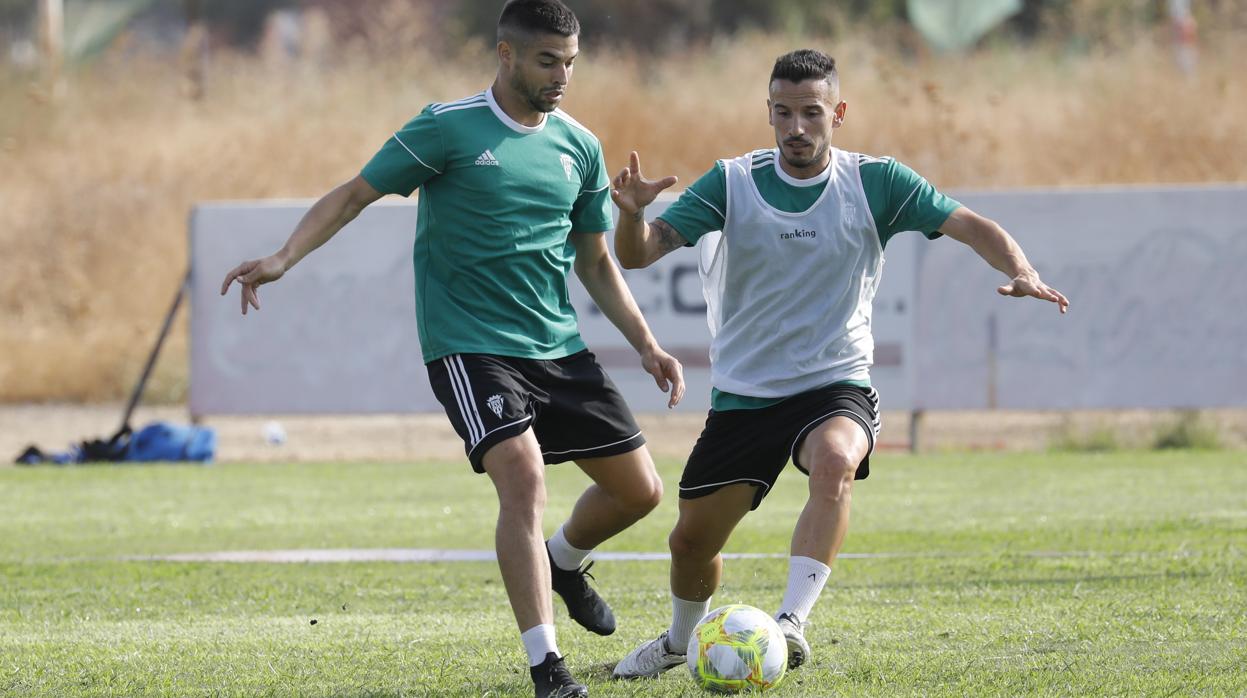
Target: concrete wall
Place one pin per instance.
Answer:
(1153, 276)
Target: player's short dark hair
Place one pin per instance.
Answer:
(530, 17)
(805, 64)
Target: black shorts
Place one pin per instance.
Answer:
(753, 446)
(572, 406)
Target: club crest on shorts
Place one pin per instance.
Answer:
(495, 403)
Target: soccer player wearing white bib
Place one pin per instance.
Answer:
(789, 286)
(513, 197)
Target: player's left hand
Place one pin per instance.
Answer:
(667, 373)
(1028, 283)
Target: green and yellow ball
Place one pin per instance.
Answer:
(737, 648)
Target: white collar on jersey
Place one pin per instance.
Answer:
(508, 121)
(789, 179)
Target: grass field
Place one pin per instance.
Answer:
(1114, 574)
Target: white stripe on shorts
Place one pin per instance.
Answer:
(461, 400)
(591, 448)
(467, 389)
(763, 483)
(525, 418)
(792, 449)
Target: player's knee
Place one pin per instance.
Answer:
(686, 545)
(655, 493)
(522, 492)
(639, 497)
(831, 475)
(647, 497)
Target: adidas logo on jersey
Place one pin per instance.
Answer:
(487, 158)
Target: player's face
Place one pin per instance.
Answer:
(804, 115)
(540, 69)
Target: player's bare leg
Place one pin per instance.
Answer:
(518, 473)
(625, 488)
(699, 535)
(831, 453)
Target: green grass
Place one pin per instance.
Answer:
(1051, 574)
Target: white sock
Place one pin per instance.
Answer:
(538, 642)
(563, 554)
(806, 577)
(684, 617)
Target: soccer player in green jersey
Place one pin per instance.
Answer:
(789, 286)
(513, 196)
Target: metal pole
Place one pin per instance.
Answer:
(151, 358)
(52, 43)
(915, 429)
(1185, 38)
(993, 348)
(194, 51)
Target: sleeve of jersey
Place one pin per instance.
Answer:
(592, 211)
(412, 156)
(902, 200)
(701, 208)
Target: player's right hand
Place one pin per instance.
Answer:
(631, 191)
(251, 275)
(667, 371)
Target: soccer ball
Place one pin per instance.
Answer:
(737, 648)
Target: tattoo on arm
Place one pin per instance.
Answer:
(668, 239)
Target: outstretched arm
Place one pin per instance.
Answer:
(1000, 250)
(597, 271)
(326, 217)
(639, 244)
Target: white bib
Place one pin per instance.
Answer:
(789, 295)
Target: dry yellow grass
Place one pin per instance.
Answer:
(95, 190)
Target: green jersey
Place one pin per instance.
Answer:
(498, 203)
(898, 198)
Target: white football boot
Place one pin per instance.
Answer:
(649, 660)
(794, 634)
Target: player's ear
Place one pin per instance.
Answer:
(840, 111)
(770, 113)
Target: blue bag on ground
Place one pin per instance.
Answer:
(164, 441)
